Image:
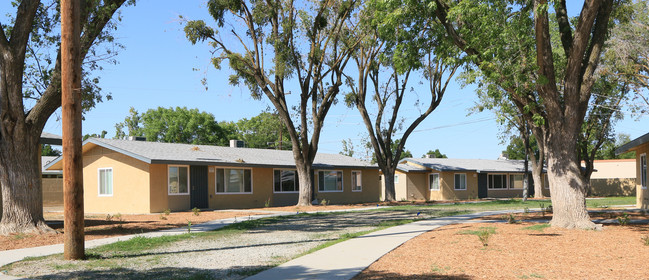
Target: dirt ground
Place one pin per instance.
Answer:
(103, 226)
(515, 251)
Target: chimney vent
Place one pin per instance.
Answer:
(237, 144)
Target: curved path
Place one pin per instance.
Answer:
(346, 259)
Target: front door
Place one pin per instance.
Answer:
(198, 183)
(482, 185)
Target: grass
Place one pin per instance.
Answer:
(514, 203)
(610, 201)
(538, 227)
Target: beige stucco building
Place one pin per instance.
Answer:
(640, 146)
(613, 177)
(128, 176)
(459, 179)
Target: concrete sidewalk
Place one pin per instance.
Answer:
(346, 259)
(10, 256)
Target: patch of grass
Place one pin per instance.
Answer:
(138, 244)
(531, 275)
(439, 270)
(19, 236)
(483, 234)
(249, 272)
(342, 238)
(538, 227)
(64, 266)
(609, 201)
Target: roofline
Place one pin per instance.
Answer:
(206, 163)
(104, 145)
(634, 143)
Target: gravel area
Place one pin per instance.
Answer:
(223, 256)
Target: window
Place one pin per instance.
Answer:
(396, 178)
(233, 180)
(286, 181)
(330, 181)
(516, 181)
(105, 181)
(356, 181)
(643, 170)
(497, 181)
(178, 180)
(433, 181)
(460, 181)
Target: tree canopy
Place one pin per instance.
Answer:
(435, 154)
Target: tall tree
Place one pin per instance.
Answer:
(174, 125)
(393, 48)
(435, 154)
(509, 42)
(284, 44)
(30, 92)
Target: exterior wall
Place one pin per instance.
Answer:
(160, 200)
(371, 188)
(642, 194)
(130, 183)
(262, 190)
(613, 177)
(400, 188)
(52, 192)
(447, 186)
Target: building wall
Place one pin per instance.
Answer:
(52, 192)
(614, 177)
(130, 183)
(371, 188)
(642, 195)
(447, 186)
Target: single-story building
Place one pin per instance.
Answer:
(453, 179)
(613, 177)
(52, 184)
(131, 176)
(641, 147)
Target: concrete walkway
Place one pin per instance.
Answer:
(346, 259)
(10, 256)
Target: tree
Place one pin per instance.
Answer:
(30, 92)
(47, 150)
(179, 125)
(607, 151)
(394, 48)
(348, 148)
(265, 130)
(278, 45)
(95, 135)
(434, 154)
(510, 45)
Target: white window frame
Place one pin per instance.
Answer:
(169, 178)
(216, 172)
(489, 187)
(465, 182)
(342, 181)
(296, 183)
(396, 178)
(439, 186)
(511, 183)
(112, 190)
(643, 175)
(360, 182)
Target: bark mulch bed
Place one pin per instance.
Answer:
(516, 251)
(103, 226)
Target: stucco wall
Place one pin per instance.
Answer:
(447, 189)
(642, 195)
(52, 192)
(130, 183)
(370, 183)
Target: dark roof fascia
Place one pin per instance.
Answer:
(636, 142)
(249, 165)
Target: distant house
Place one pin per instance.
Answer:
(613, 177)
(641, 147)
(451, 179)
(130, 176)
(52, 184)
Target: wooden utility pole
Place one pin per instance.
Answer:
(73, 246)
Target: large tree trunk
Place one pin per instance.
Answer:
(537, 172)
(305, 179)
(566, 182)
(388, 177)
(22, 195)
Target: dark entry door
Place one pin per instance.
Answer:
(198, 182)
(482, 185)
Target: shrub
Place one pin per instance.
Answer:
(510, 218)
(162, 217)
(645, 240)
(483, 234)
(167, 212)
(197, 212)
(324, 202)
(267, 203)
(624, 219)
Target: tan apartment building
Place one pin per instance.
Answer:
(640, 146)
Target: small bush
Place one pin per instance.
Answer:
(645, 240)
(167, 212)
(163, 217)
(483, 234)
(510, 218)
(624, 219)
(267, 203)
(324, 202)
(189, 226)
(197, 212)
(109, 217)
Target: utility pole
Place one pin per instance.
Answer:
(73, 246)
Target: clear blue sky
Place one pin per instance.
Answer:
(156, 69)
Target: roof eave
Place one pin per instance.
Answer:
(631, 145)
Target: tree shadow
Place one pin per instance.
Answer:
(376, 275)
(156, 273)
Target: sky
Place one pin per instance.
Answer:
(159, 67)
